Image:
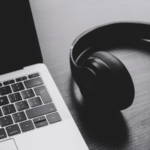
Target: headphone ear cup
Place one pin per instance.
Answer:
(119, 87)
(95, 74)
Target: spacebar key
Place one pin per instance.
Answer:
(42, 110)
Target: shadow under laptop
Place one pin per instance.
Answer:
(103, 126)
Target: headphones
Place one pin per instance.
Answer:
(102, 78)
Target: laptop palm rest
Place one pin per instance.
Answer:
(60, 136)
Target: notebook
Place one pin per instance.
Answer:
(33, 114)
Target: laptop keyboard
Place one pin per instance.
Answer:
(25, 104)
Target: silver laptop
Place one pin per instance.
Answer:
(33, 115)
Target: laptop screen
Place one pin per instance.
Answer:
(19, 45)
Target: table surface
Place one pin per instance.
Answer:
(58, 23)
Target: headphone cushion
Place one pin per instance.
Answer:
(117, 86)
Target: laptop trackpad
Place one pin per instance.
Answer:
(8, 145)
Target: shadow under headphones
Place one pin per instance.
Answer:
(102, 78)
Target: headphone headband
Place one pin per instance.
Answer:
(116, 31)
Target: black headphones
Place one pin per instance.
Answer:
(101, 77)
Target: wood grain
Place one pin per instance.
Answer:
(58, 23)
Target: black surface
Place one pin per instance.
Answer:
(19, 44)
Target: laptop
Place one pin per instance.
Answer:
(33, 115)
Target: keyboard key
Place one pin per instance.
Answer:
(21, 79)
(8, 109)
(1, 113)
(54, 117)
(1, 84)
(22, 105)
(13, 130)
(40, 122)
(15, 97)
(2, 133)
(35, 102)
(33, 82)
(4, 100)
(33, 75)
(42, 91)
(8, 82)
(27, 93)
(18, 117)
(5, 90)
(26, 126)
(5, 121)
(39, 111)
(17, 86)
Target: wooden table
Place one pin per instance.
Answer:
(58, 23)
